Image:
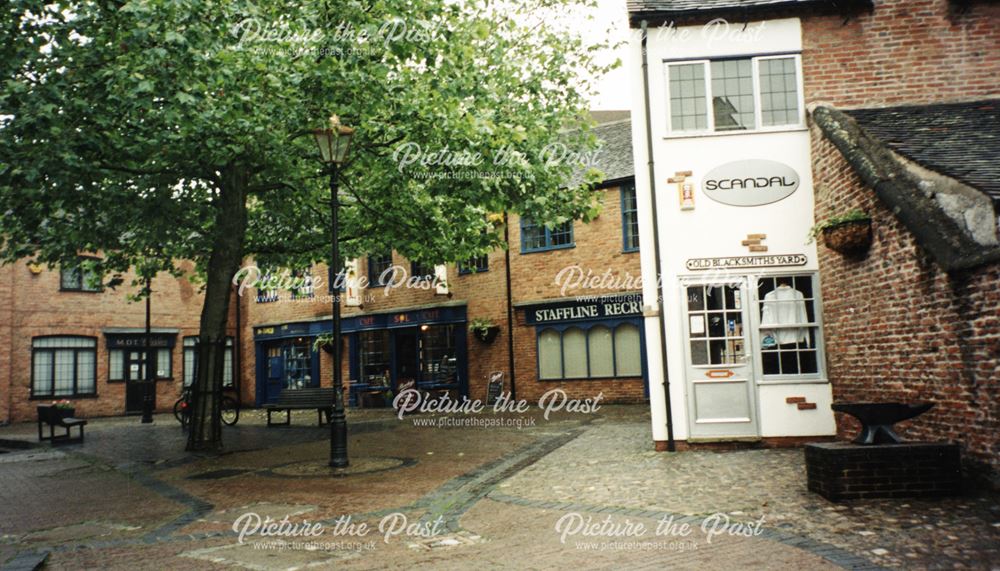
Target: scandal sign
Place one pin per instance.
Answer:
(751, 182)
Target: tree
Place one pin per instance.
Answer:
(180, 127)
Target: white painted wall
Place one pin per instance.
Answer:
(713, 229)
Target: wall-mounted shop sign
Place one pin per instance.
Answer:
(751, 182)
(746, 262)
(138, 340)
(598, 308)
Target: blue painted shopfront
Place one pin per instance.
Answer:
(385, 350)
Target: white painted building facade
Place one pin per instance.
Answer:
(741, 311)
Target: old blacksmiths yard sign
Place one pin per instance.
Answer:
(746, 262)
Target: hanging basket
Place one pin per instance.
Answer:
(849, 238)
(488, 335)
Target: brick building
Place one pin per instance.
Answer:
(63, 336)
(884, 107)
(564, 335)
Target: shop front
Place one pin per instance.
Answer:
(588, 345)
(725, 239)
(127, 363)
(424, 348)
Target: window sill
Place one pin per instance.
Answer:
(630, 251)
(65, 290)
(584, 379)
(705, 134)
(548, 249)
(473, 273)
(63, 397)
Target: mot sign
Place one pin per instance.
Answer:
(751, 182)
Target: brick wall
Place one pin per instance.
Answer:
(899, 329)
(36, 306)
(905, 51)
(6, 349)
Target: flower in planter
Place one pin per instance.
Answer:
(64, 404)
(850, 234)
(483, 329)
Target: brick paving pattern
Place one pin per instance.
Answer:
(129, 498)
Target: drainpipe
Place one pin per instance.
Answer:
(510, 310)
(656, 242)
(238, 354)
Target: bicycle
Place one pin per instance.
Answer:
(229, 409)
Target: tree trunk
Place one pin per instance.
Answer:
(227, 255)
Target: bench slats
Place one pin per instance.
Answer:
(320, 399)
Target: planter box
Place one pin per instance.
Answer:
(849, 238)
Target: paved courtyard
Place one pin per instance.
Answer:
(573, 492)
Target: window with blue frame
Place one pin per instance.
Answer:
(474, 265)
(377, 269)
(589, 351)
(421, 271)
(536, 238)
(630, 219)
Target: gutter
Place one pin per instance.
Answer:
(656, 242)
(510, 309)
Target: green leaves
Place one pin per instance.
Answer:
(123, 116)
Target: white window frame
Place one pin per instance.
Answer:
(820, 376)
(710, 110)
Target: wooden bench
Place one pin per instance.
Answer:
(301, 399)
(53, 417)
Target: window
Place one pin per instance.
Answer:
(378, 267)
(79, 278)
(590, 352)
(474, 265)
(789, 329)
(298, 364)
(373, 349)
(715, 321)
(438, 356)
(421, 271)
(302, 285)
(116, 363)
(63, 366)
(746, 94)
(266, 294)
(191, 361)
(536, 238)
(630, 219)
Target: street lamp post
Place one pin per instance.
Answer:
(149, 386)
(334, 142)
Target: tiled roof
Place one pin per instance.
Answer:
(692, 9)
(959, 140)
(614, 157)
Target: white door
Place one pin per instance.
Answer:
(721, 392)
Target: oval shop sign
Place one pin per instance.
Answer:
(751, 182)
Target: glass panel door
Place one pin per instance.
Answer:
(721, 394)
